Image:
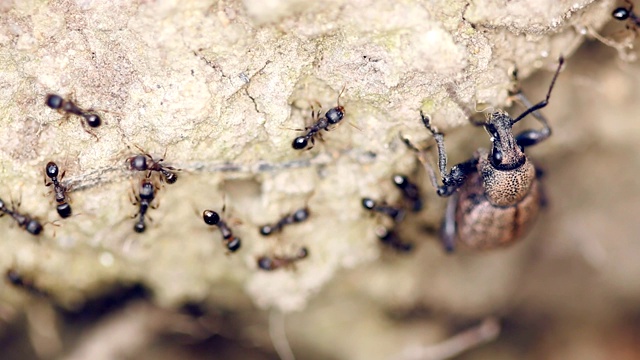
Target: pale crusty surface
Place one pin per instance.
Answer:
(220, 87)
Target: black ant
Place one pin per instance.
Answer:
(410, 192)
(296, 217)
(31, 225)
(145, 196)
(394, 213)
(63, 207)
(58, 103)
(146, 162)
(212, 218)
(268, 263)
(14, 277)
(331, 117)
(623, 14)
(391, 239)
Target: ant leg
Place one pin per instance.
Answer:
(313, 143)
(163, 156)
(15, 205)
(133, 197)
(145, 153)
(453, 179)
(315, 115)
(84, 126)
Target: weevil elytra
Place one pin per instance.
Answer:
(495, 196)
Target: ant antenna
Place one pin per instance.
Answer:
(544, 102)
(340, 94)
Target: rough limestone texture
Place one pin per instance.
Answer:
(222, 89)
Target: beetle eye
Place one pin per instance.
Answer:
(496, 156)
(491, 130)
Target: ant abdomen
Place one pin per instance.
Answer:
(300, 143)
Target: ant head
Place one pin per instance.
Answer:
(265, 263)
(14, 277)
(368, 203)
(34, 227)
(300, 143)
(138, 162)
(93, 120)
(147, 190)
(139, 227)
(384, 234)
(400, 180)
(302, 253)
(52, 169)
(621, 14)
(506, 154)
(210, 217)
(335, 115)
(64, 210)
(234, 244)
(54, 101)
(301, 215)
(266, 230)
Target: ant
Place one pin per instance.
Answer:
(146, 194)
(58, 103)
(394, 213)
(63, 207)
(211, 217)
(14, 277)
(298, 216)
(410, 192)
(623, 14)
(276, 262)
(331, 117)
(31, 225)
(390, 238)
(146, 162)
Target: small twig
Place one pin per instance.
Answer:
(117, 173)
(43, 331)
(278, 335)
(487, 331)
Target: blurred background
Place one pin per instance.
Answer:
(574, 292)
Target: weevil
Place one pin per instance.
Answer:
(495, 196)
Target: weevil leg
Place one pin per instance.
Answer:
(457, 176)
(448, 230)
(532, 137)
(544, 200)
(453, 179)
(532, 109)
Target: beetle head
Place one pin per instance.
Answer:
(506, 154)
